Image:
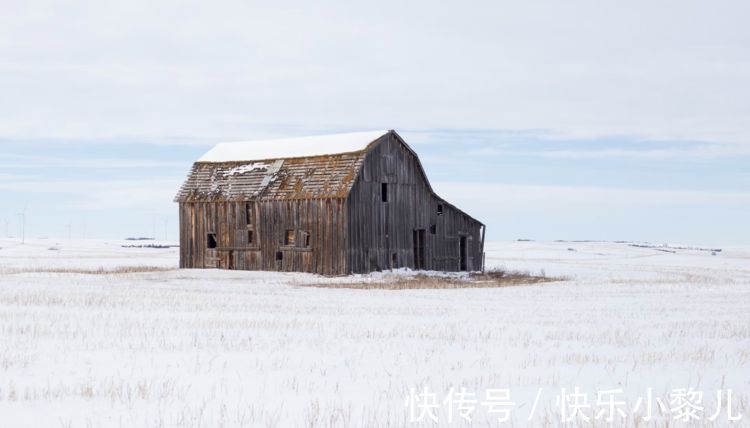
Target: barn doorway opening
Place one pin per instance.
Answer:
(462, 265)
(211, 259)
(418, 249)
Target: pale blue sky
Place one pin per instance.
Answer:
(544, 119)
(520, 184)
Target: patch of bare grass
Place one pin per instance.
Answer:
(493, 278)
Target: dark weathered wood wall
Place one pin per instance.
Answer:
(377, 230)
(323, 219)
(358, 233)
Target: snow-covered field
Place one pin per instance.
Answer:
(83, 347)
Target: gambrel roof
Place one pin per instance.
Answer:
(319, 167)
(323, 166)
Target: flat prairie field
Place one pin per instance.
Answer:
(94, 334)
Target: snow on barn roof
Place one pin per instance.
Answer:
(287, 148)
(292, 168)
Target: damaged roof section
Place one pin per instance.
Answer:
(324, 166)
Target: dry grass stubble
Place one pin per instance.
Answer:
(493, 278)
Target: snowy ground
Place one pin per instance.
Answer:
(216, 348)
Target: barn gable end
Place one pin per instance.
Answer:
(410, 226)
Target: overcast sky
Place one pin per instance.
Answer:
(546, 120)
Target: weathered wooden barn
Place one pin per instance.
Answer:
(335, 204)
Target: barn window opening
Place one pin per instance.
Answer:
(250, 237)
(279, 256)
(305, 238)
(440, 209)
(433, 229)
(289, 237)
(384, 192)
(249, 213)
(211, 240)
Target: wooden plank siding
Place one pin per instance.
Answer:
(321, 218)
(377, 230)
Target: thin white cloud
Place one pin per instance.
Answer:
(13, 177)
(87, 195)
(236, 69)
(41, 162)
(649, 152)
(590, 201)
